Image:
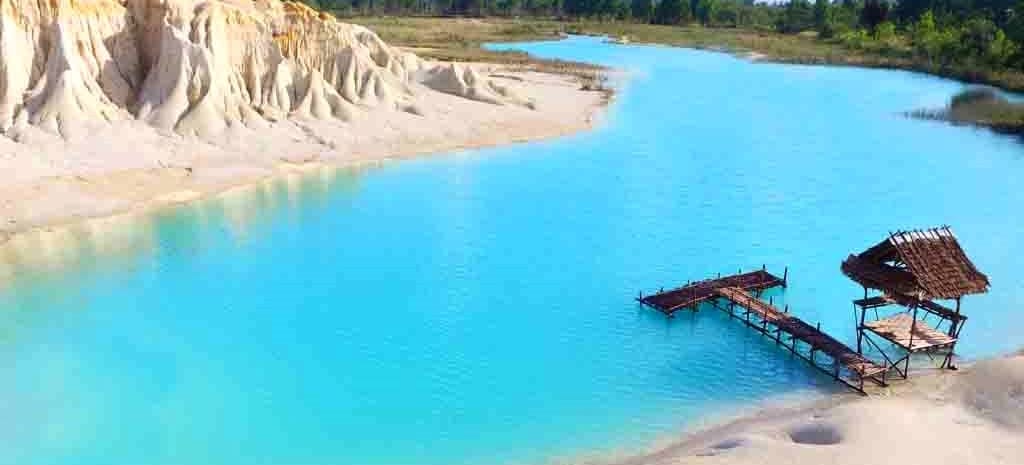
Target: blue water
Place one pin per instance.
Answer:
(476, 307)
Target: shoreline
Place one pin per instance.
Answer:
(830, 54)
(68, 196)
(981, 400)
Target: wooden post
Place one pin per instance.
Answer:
(860, 328)
(785, 276)
(910, 344)
(913, 326)
(953, 324)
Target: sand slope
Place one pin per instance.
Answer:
(972, 417)
(111, 105)
(198, 67)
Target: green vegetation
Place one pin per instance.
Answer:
(980, 107)
(459, 39)
(973, 40)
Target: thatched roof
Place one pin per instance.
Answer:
(926, 264)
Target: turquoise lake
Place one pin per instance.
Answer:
(477, 307)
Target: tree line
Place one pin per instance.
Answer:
(939, 33)
(966, 34)
(534, 8)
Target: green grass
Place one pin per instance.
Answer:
(460, 38)
(446, 32)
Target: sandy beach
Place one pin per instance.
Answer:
(128, 165)
(971, 416)
(109, 106)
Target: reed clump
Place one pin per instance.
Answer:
(982, 107)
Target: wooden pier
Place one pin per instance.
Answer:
(910, 270)
(692, 294)
(735, 295)
(844, 365)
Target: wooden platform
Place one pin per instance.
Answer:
(692, 294)
(897, 329)
(907, 301)
(848, 367)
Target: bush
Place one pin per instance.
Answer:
(857, 38)
(885, 31)
(974, 96)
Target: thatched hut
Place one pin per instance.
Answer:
(912, 269)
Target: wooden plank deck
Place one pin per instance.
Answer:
(691, 294)
(907, 301)
(774, 323)
(897, 329)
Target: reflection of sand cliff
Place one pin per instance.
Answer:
(973, 417)
(108, 106)
(121, 240)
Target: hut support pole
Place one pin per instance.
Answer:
(953, 324)
(910, 344)
(860, 328)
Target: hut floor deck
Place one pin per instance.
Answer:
(897, 329)
(907, 301)
(694, 293)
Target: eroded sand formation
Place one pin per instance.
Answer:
(200, 67)
(111, 106)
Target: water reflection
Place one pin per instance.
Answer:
(72, 254)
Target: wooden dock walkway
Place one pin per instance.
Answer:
(692, 294)
(847, 366)
(726, 293)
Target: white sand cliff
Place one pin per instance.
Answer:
(972, 417)
(109, 105)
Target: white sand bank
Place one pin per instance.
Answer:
(112, 105)
(974, 416)
(128, 165)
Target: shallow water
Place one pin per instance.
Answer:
(477, 307)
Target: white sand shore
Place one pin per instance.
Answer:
(109, 106)
(974, 416)
(128, 165)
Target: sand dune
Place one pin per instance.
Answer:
(975, 417)
(110, 105)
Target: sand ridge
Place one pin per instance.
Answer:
(975, 416)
